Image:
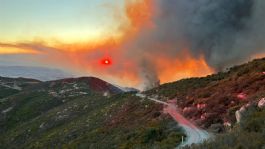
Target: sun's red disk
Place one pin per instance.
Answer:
(106, 61)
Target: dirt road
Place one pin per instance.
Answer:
(194, 134)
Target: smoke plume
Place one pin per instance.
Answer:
(226, 32)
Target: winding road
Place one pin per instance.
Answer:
(194, 134)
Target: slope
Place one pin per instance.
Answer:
(212, 101)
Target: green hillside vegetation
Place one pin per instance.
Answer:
(7, 84)
(249, 134)
(72, 115)
(5, 92)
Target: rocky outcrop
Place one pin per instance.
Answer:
(239, 113)
(261, 103)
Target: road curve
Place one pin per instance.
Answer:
(194, 134)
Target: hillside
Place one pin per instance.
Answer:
(213, 100)
(249, 134)
(83, 113)
(9, 86)
(91, 113)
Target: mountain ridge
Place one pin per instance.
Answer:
(70, 113)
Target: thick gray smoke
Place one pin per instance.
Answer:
(226, 32)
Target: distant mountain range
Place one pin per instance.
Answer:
(39, 73)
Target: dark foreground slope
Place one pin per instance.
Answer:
(83, 113)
